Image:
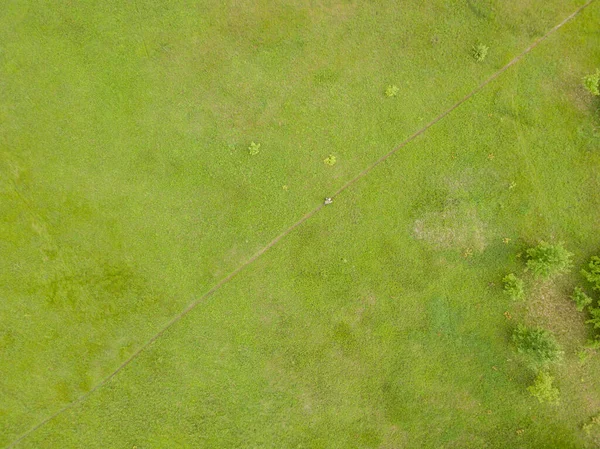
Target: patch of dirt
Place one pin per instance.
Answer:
(337, 12)
(394, 437)
(456, 227)
(550, 307)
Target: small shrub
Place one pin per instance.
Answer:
(581, 299)
(480, 52)
(513, 286)
(330, 160)
(582, 355)
(593, 276)
(391, 91)
(592, 83)
(254, 148)
(543, 389)
(595, 314)
(586, 350)
(538, 344)
(592, 424)
(547, 260)
(592, 344)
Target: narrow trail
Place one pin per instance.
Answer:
(287, 231)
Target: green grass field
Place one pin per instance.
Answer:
(127, 192)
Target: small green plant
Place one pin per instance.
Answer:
(254, 148)
(592, 344)
(586, 350)
(592, 83)
(513, 286)
(543, 389)
(582, 355)
(391, 91)
(538, 344)
(581, 299)
(547, 260)
(330, 160)
(593, 276)
(591, 425)
(480, 52)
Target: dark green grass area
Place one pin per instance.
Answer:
(127, 191)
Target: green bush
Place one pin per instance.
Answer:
(254, 148)
(581, 299)
(543, 389)
(480, 52)
(537, 344)
(595, 314)
(547, 260)
(330, 160)
(590, 346)
(392, 91)
(592, 424)
(592, 83)
(513, 286)
(593, 276)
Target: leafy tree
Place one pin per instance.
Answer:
(592, 83)
(543, 389)
(581, 299)
(513, 286)
(547, 260)
(538, 344)
(593, 276)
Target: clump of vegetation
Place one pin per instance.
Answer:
(547, 260)
(254, 148)
(592, 83)
(581, 299)
(590, 347)
(543, 389)
(514, 287)
(480, 52)
(593, 276)
(593, 423)
(330, 160)
(595, 314)
(538, 344)
(391, 91)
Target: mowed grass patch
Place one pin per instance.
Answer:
(353, 332)
(127, 190)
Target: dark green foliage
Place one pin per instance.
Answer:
(547, 260)
(537, 344)
(513, 286)
(592, 345)
(595, 314)
(543, 389)
(593, 275)
(581, 299)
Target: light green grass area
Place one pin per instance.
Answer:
(127, 191)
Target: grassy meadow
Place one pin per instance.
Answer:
(127, 191)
